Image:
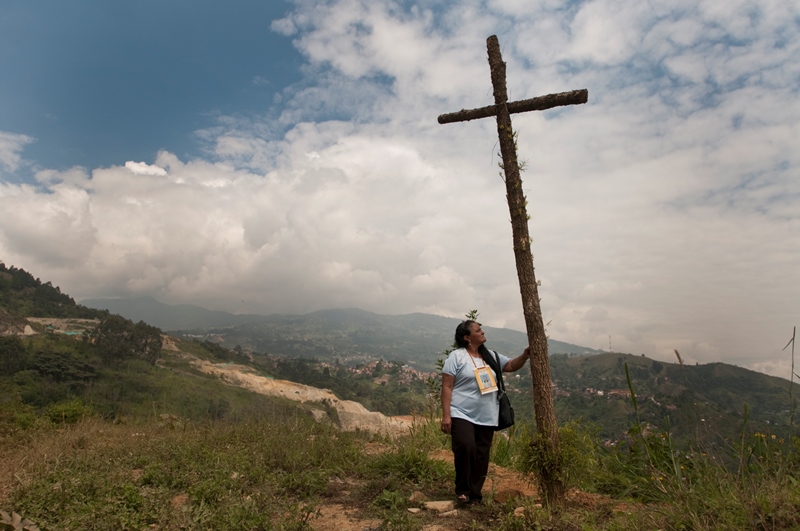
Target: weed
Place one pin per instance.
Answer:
(412, 464)
(398, 521)
(503, 448)
(389, 499)
(751, 484)
(578, 454)
(427, 435)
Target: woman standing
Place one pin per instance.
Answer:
(469, 406)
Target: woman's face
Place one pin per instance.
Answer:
(476, 336)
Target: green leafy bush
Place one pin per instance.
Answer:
(68, 412)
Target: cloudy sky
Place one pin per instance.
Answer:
(255, 156)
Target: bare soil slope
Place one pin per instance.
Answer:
(351, 415)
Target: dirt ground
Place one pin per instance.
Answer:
(340, 517)
(501, 485)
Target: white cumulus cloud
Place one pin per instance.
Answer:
(11, 146)
(664, 212)
(142, 168)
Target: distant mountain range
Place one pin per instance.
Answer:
(168, 316)
(417, 338)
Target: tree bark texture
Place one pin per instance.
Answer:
(539, 103)
(544, 410)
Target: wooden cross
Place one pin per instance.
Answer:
(537, 338)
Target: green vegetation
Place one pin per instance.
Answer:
(701, 402)
(106, 430)
(108, 370)
(117, 339)
(282, 470)
(55, 372)
(23, 295)
(251, 475)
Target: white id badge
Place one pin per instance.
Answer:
(485, 378)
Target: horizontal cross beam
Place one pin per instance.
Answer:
(539, 103)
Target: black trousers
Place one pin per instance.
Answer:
(471, 445)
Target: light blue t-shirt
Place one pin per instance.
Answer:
(467, 402)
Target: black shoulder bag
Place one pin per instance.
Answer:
(506, 419)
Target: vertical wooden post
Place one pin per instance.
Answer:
(544, 410)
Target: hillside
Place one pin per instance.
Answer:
(21, 294)
(169, 316)
(103, 362)
(703, 400)
(350, 335)
(64, 367)
(699, 401)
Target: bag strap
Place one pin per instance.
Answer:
(499, 372)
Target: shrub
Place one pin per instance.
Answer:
(68, 412)
(578, 454)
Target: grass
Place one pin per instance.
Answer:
(751, 483)
(280, 470)
(265, 474)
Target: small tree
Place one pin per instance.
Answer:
(146, 342)
(13, 357)
(117, 338)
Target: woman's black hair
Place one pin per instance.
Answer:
(463, 330)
